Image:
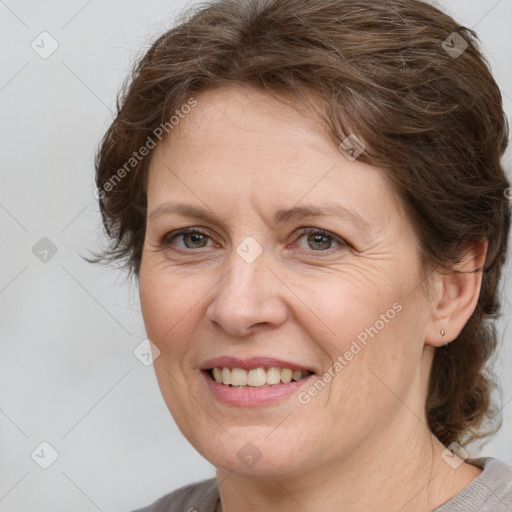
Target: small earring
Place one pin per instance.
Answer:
(443, 332)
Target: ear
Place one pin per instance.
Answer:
(456, 295)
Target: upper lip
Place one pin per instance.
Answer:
(252, 362)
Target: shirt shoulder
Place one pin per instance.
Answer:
(197, 497)
(491, 491)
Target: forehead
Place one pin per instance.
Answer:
(242, 120)
(245, 146)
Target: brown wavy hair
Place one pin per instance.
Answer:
(385, 70)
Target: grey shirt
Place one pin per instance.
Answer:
(491, 491)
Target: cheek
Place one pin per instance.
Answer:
(372, 341)
(166, 304)
(341, 311)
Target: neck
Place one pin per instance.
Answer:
(407, 475)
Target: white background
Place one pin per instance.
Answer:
(68, 375)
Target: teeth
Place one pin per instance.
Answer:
(297, 375)
(226, 376)
(238, 377)
(273, 376)
(286, 375)
(257, 377)
(217, 374)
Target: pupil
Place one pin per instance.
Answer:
(317, 239)
(196, 237)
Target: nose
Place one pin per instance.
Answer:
(249, 297)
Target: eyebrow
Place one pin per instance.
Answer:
(280, 216)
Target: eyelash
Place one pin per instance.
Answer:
(166, 241)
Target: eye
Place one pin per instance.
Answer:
(317, 239)
(320, 240)
(192, 238)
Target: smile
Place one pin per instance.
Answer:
(254, 381)
(256, 377)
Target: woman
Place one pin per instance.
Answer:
(311, 198)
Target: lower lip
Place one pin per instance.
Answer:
(250, 397)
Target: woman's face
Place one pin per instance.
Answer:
(252, 290)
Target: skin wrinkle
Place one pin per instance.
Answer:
(200, 306)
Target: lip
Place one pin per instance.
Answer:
(247, 397)
(257, 396)
(252, 363)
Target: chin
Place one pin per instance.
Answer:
(248, 451)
